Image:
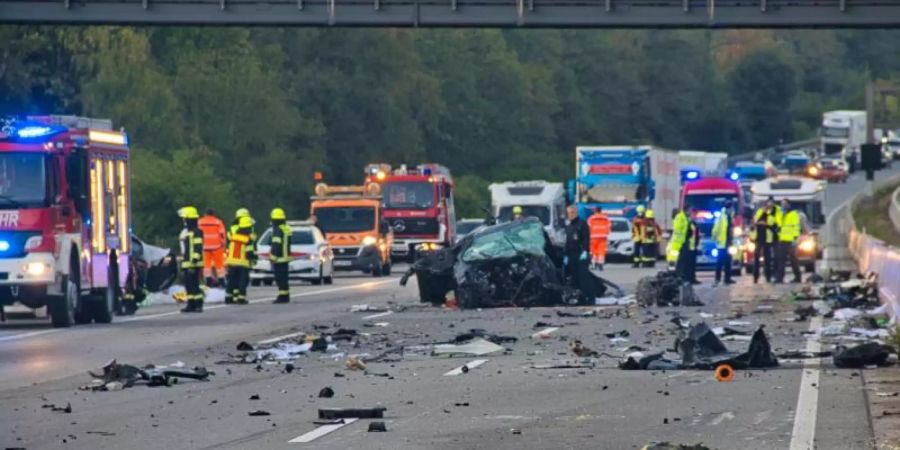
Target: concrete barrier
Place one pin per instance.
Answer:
(894, 210)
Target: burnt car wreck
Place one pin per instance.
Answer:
(512, 264)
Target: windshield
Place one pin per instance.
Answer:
(621, 226)
(464, 228)
(812, 212)
(408, 195)
(527, 238)
(298, 237)
(345, 219)
(615, 193)
(838, 132)
(22, 180)
(709, 202)
(541, 212)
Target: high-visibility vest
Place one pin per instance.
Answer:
(239, 248)
(281, 244)
(679, 230)
(771, 222)
(790, 227)
(599, 225)
(213, 232)
(191, 249)
(720, 229)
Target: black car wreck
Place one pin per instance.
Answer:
(511, 264)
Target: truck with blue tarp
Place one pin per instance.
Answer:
(621, 178)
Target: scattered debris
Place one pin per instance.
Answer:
(476, 347)
(63, 409)
(476, 333)
(868, 354)
(354, 363)
(581, 350)
(377, 427)
(668, 446)
(326, 392)
(117, 376)
(259, 412)
(348, 413)
(368, 308)
(243, 346)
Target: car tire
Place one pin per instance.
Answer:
(376, 270)
(809, 267)
(318, 281)
(62, 308)
(103, 305)
(386, 269)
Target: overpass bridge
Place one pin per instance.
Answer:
(462, 13)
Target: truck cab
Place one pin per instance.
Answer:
(843, 133)
(543, 200)
(807, 195)
(65, 217)
(708, 196)
(351, 217)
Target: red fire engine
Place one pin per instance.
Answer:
(418, 204)
(64, 216)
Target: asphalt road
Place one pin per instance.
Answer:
(505, 402)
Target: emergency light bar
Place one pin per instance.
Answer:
(690, 175)
(370, 190)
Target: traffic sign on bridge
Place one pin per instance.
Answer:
(462, 13)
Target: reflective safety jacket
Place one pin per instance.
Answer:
(281, 244)
(637, 228)
(765, 221)
(213, 232)
(721, 230)
(191, 240)
(240, 248)
(599, 224)
(680, 227)
(651, 232)
(790, 227)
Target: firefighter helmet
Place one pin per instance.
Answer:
(649, 214)
(245, 222)
(188, 212)
(517, 210)
(278, 214)
(243, 212)
(641, 209)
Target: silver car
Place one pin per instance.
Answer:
(311, 257)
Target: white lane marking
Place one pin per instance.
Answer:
(804, 434)
(321, 431)
(177, 312)
(545, 333)
(469, 366)
(375, 316)
(281, 338)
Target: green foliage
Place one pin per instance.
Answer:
(229, 117)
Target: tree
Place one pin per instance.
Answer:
(763, 86)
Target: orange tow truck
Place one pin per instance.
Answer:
(352, 221)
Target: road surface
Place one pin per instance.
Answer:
(502, 402)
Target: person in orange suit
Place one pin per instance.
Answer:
(213, 230)
(599, 225)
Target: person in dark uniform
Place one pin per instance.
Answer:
(576, 252)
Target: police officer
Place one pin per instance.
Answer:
(765, 224)
(788, 233)
(191, 240)
(280, 254)
(576, 252)
(637, 236)
(685, 236)
(650, 239)
(723, 235)
(238, 261)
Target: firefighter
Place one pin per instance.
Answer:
(765, 230)
(637, 236)
(650, 239)
(723, 235)
(517, 213)
(244, 212)
(789, 229)
(191, 240)
(685, 236)
(576, 248)
(213, 247)
(238, 261)
(599, 226)
(281, 254)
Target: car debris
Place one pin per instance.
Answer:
(668, 446)
(258, 412)
(581, 350)
(377, 427)
(354, 363)
(868, 354)
(475, 347)
(326, 392)
(512, 264)
(63, 409)
(352, 413)
(476, 333)
(115, 376)
(665, 289)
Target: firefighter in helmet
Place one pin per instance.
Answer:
(238, 261)
(191, 240)
(280, 254)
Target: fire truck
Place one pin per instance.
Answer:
(418, 204)
(351, 218)
(65, 216)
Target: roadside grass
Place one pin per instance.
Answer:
(871, 215)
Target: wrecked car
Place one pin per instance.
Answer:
(150, 269)
(511, 264)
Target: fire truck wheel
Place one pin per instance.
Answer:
(62, 308)
(103, 305)
(386, 268)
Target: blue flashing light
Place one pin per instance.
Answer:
(33, 132)
(427, 171)
(715, 253)
(734, 176)
(692, 175)
(4, 246)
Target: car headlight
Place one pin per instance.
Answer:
(732, 250)
(807, 245)
(36, 269)
(738, 231)
(813, 171)
(369, 240)
(714, 253)
(32, 243)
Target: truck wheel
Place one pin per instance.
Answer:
(102, 306)
(376, 270)
(62, 308)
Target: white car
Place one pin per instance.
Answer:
(312, 257)
(619, 242)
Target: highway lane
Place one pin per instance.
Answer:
(553, 408)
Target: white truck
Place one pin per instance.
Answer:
(705, 163)
(544, 200)
(843, 133)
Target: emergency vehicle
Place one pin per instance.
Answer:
(418, 205)
(807, 195)
(708, 196)
(352, 219)
(65, 216)
(542, 199)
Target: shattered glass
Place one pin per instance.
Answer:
(521, 238)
